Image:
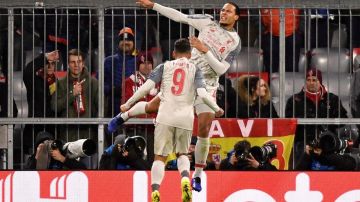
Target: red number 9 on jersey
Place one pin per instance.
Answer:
(178, 81)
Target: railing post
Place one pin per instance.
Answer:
(100, 13)
(10, 128)
(282, 62)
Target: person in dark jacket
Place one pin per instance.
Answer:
(226, 97)
(244, 157)
(127, 153)
(327, 154)
(254, 98)
(40, 82)
(76, 97)
(118, 67)
(313, 101)
(47, 157)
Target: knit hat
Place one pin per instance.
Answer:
(314, 72)
(143, 57)
(120, 139)
(126, 33)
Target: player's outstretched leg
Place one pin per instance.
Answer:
(138, 109)
(202, 147)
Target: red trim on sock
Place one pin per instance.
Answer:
(200, 165)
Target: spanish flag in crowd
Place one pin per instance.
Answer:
(224, 133)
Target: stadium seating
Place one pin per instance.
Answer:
(335, 60)
(250, 59)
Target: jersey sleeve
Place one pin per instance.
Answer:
(157, 73)
(196, 21)
(232, 55)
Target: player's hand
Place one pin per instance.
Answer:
(124, 108)
(145, 3)
(196, 43)
(219, 113)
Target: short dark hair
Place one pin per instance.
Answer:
(182, 46)
(237, 9)
(76, 52)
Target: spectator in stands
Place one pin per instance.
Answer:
(254, 98)
(244, 157)
(123, 61)
(226, 97)
(144, 65)
(39, 79)
(270, 39)
(47, 157)
(125, 154)
(313, 101)
(40, 82)
(76, 97)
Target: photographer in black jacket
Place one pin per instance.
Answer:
(127, 153)
(245, 157)
(52, 154)
(327, 153)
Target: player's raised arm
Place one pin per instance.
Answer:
(196, 21)
(154, 78)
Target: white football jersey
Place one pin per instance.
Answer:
(223, 44)
(179, 80)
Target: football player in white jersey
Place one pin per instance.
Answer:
(213, 52)
(180, 82)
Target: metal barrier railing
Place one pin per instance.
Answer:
(101, 19)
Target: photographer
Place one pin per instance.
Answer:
(326, 153)
(127, 153)
(50, 154)
(245, 157)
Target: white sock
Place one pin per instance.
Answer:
(201, 153)
(137, 109)
(183, 165)
(157, 172)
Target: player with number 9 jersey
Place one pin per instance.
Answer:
(180, 78)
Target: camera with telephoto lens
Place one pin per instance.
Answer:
(265, 152)
(328, 142)
(73, 150)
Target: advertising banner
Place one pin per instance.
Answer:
(134, 186)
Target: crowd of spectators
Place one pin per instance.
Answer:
(129, 60)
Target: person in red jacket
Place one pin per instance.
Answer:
(144, 65)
